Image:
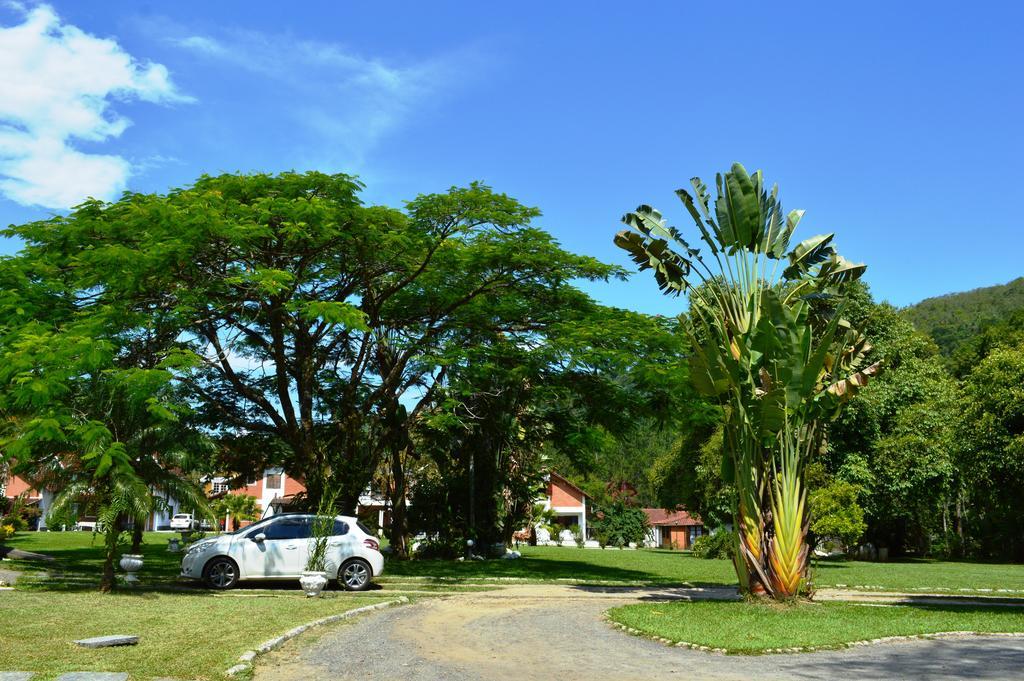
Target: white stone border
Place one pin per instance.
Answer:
(246, 658)
(811, 649)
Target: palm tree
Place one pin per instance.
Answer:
(117, 496)
(776, 368)
(238, 506)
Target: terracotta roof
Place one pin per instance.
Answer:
(562, 479)
(659, 516)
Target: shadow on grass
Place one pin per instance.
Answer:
(522, 568)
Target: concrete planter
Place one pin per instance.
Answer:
(131, 563)
(313, 583)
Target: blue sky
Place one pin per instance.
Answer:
(896, 125)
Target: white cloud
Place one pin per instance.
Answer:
(58, 84)
(346, 100)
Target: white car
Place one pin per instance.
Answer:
(278, 548)
(184, 522)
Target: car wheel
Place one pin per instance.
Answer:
(221, 573)
(355, 575)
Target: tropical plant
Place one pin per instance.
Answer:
(117, 495)
(321, 531)
(777, 368)
(238, 507)
(577, 536)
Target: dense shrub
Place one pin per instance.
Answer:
(619, 524)
(836, 513)
(577, 536)
(720, 544)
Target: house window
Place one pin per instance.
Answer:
(272, 481)
(220, 487)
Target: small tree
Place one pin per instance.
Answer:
(837, 514)
(238, 507)
(621, 524)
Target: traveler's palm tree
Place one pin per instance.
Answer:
(755, 350)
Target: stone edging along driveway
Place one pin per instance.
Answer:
(245, 660)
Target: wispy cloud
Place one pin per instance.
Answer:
(347, 100)
(58, 84)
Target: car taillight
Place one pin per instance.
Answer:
(372, 543)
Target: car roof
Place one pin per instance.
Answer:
(294, 514)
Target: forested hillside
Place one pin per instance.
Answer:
(954, 318)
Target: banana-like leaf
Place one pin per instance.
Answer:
(670, 269)
(838, 270)
(848, 387)
(807, 254)
(691, 207)
(781, 242)
(740, 203)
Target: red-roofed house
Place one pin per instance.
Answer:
(672, 529)
(568, 502)
(12, 487)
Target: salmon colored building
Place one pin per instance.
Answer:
(12, 487)
(273, 484)
(672, 529)
(568, 502)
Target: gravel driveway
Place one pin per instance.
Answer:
(557, 632)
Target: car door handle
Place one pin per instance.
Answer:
(291, 547)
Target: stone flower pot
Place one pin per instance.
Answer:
(313, 583)
(131, 563)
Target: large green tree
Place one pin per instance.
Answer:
(306, 326)
(511, 402)
(991, 445)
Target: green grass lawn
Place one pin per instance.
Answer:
(182, 635)
(79, 557)
(189, 635)
(750, 628)
(653, 566)
(922, 575)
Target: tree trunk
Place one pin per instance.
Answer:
(110, 536)
(398, 532)
(137, 537)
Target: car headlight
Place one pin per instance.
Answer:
(193, 548)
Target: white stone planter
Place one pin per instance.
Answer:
(313, 583)
(131, 563)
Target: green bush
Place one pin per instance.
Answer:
(577, 536)
(445, 548)
(720, 544)
(621, 524)
(16, 521)
(836, 513)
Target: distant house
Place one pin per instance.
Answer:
(568, 502)
(672, 529)
(275, 492)
(12, 487)
(273, 484)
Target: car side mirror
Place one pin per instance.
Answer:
(259, 537)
